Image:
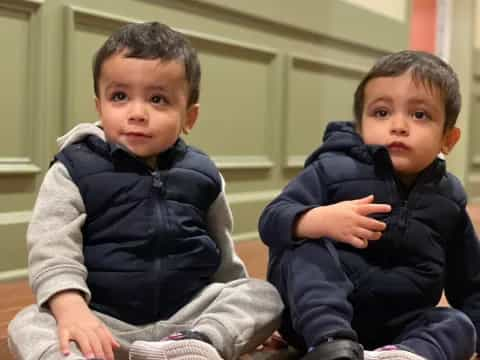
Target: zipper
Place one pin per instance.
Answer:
(159, 218)
(399, 197)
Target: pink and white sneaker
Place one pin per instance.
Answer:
(186, 345)
(391, 352)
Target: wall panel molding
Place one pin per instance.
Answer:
(18, 166)
(473, 174)
(246, 236)
(328, 24)
(21, 5)
(295, 161)
(97, 18)
(315, 65)
(476, 63)
(233, 162)
(327, 63)
(474, 149)
(473, 186)
(26, 162)
(269, 58)
(14, 275)
(246, 208)
(15, 217)
(13, 256)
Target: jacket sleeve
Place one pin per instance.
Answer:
(462, 286)
(220, 225)
(54, 238)
(303, 193)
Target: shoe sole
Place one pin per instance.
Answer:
(173, 350)
(391, 355)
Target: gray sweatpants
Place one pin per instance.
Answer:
(237, 316)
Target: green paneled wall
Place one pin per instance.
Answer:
(474, 148)
(275, 72)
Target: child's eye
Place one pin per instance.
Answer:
(421, 115)
(381, 113)
(118, 96)
(159, 99)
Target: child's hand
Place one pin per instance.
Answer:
(76, 322)
(346, 221)
(273, 343)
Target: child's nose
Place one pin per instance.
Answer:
(138, 112)
(399, 125)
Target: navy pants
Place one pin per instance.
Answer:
(321, 301)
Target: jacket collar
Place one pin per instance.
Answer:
(117, 152)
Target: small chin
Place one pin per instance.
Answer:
(140, 153)
(145, 152)
(400, 164)
(398, 150)
(137, 149)
(405, 170)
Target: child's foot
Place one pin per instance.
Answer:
(336, 349)
(392, 352)
(185, 345)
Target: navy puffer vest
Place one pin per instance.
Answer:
(146, 244)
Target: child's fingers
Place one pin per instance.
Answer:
(64, 340)
(365, 200)
(108, 342)
(98, 343)
(376, 235)
(357, 242)
(83, 343)
(275, 342)
(367, 235)
(368, 209)
(114, 342)
(372, 224)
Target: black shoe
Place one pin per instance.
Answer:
(336, 350)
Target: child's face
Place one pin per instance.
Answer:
(142, 104)
(408, 118)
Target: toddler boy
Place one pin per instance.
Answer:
(129, 247)
(363, 241)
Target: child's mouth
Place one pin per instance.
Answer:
(397, 146)
(136, 135)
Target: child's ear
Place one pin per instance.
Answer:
(450, 138)
(191, 118)
(98, 106)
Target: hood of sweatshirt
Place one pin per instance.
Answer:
(341, 136)
(80, 132)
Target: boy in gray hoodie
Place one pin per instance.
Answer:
(129, 246)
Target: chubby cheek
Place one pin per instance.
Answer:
(111, 128)
(170, 128)
(373, 134)
(369, 138)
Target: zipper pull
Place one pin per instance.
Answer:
(157, 180)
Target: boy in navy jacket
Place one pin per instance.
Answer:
(363, 241)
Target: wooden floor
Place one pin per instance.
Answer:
(13, 297)
(16, 295)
